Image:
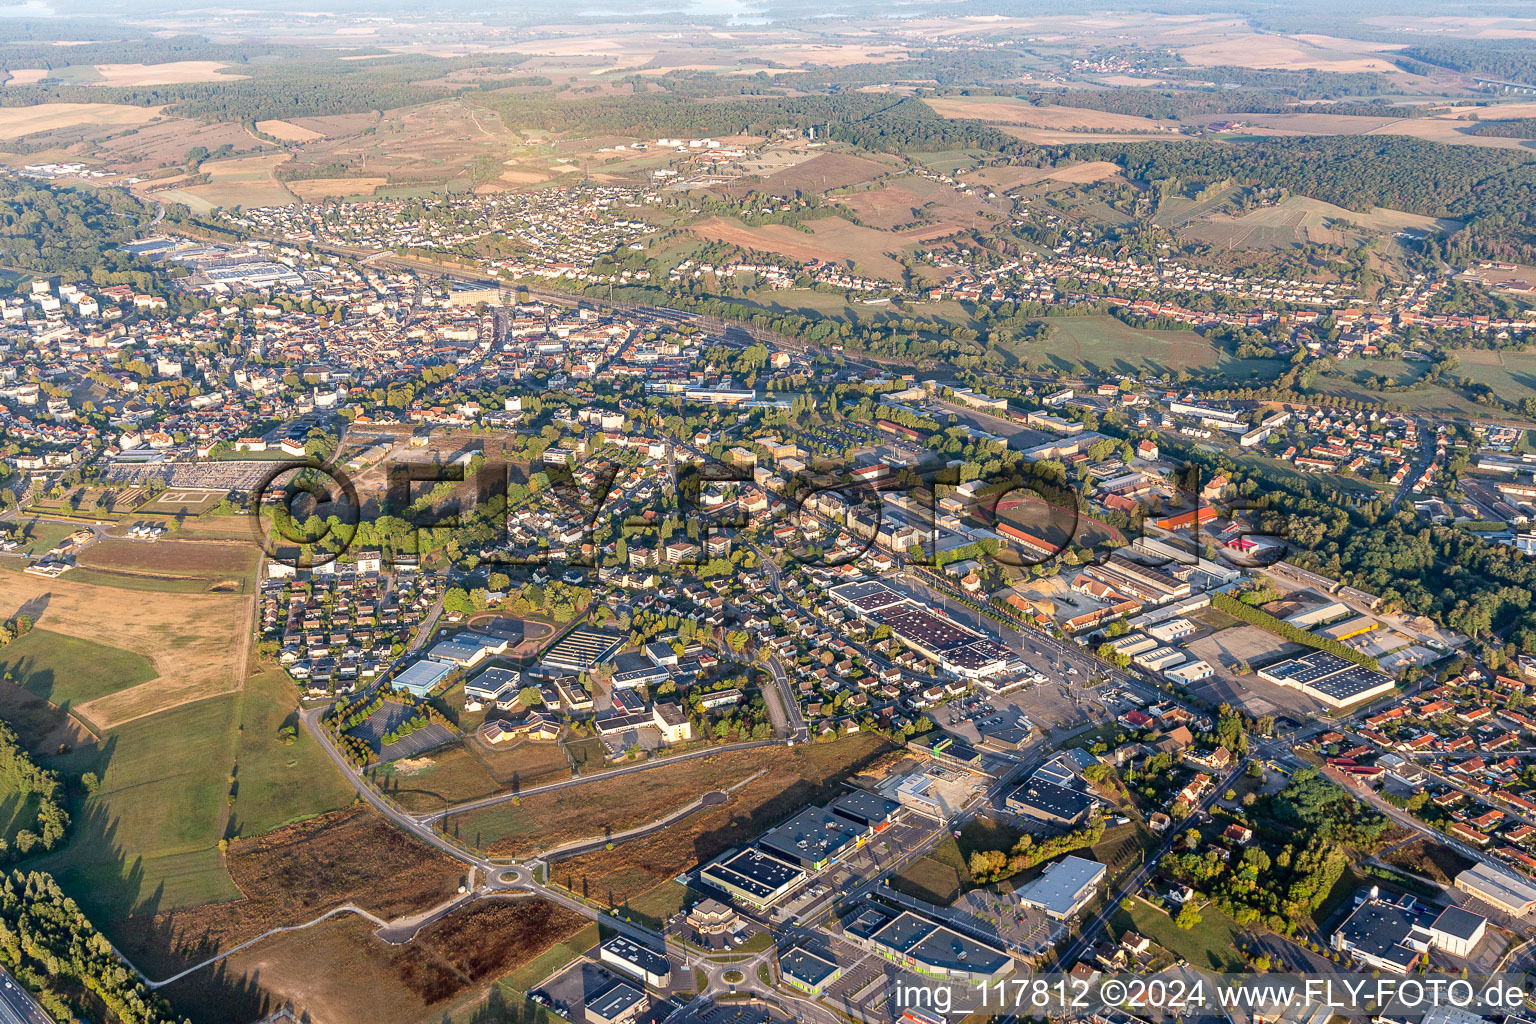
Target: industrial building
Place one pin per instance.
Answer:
(1499, 889)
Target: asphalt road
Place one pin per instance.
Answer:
(17, 1005)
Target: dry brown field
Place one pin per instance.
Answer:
(170, 73)
(287, 131)
(824, 172)
(187, 637)
(830, 238)
(18, 121)
(313, 189)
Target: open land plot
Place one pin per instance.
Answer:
(447, 775)
(339, 971)
(280, 781)
(1298, 220)
(16, 122)
(1105, 343)
(314, 189)
(1001, 110)
(1007, 176)
(1210, 945)
(828, 238)
(187, 637)
(1515, 373)
(1252, 50)
(423, 145)
(335, 125)
(288, 131)
(823, 173)
(165, 143)
(244, 181)
(925, 209)
(168, 73)
(795, 777)
(68, 670)
(173, 559)
(524, 764)
(147, 839)
(292, 874)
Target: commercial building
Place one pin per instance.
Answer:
(814, 839)
(807, 971)
(1329, 678)
(419, 678)
(1499, 889)
(864, 808)
(1393, 933)
(618, 1005)
(1064, 888)
(1046, 801)
(753, 878)
(466, 650)
(921, 944)
(646, 964)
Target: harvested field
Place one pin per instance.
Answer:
(172, 559)
(287, 131)
(170, 73)
(1251, 50)
(244, 181)
(187, 637)
(996, 110)
(296, 873)
(829, 238)
(1008, 177)
(795, 777)
(314, 189)
(339, 972)
(823, 173)
(16, 122)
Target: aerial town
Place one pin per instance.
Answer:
(831, 518)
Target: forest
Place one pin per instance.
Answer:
(49, 230)
(1494, 189)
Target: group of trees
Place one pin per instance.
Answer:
(1307, 835)
(27, 781)
(996, 865)
(52, 948)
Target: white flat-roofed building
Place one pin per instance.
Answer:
(1064, 888)
(646, 964)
